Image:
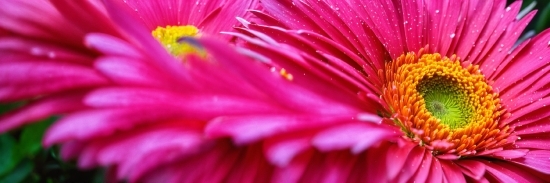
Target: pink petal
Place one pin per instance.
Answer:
(149, 149)
(28, 79)
(506, 172)
(412, 164)
(280, 89)
(511, 154)
(261, 126)
(27, 18)
(97, 123)
(535, 141)
(281, 149)
(111, 45)
(139, 35)
(452, 172)
(396, 157)
(538, 160)
(40, 109)
(293, 171)
(39, 51)
(424, 168)
(472, 168)
(82, 13)
(436, 172)
(356, 136)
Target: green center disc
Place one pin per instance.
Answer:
(446, 101)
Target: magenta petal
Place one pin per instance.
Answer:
(472, 168)
(452, 172)
(424, 169)
(396, 157)
(412, 164)
(535, 141)
(226, 18)
(538, 160)
(507, 172)
(27, 79)
(132, 72)
(97, 123)
(511, 154)
(261, 126)
(27, 18)
(148, 149)
(110, 45)
(294, 171)
(281, 149)
(41, 109)
(72, 149)
(139, 35)
(277, 87)
(436, 172)
(356, 136)
(81, 14)
(40, 51)
(199, 106)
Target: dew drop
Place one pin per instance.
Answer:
(508, 9)
(436, 11)
(452, 35)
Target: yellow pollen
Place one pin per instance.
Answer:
(168, 36)
(448, 107)
(286, 75)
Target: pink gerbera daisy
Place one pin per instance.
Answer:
(470, 107)
(150, 125)
(71, 62)
(42, 59)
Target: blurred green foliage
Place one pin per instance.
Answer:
(541, 21)
(23, 159)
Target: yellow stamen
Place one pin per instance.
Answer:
(438, 100)
(168, 36)
(286, 74)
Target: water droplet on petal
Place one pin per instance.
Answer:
(452, 35)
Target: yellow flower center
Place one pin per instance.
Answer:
(443, 105)
(168, 36)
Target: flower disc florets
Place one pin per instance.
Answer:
(448, 107)
(168, 36)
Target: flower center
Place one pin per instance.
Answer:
(443, 105)
(168, 36)
(446, 100)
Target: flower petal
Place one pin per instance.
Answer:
(356, 136)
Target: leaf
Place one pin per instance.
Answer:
(10, 106)
(543, 21)
(19, 173)
(8, 153)
(31, 137)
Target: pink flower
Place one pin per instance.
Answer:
(126, 103)
(470, 106)
(42, 59)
